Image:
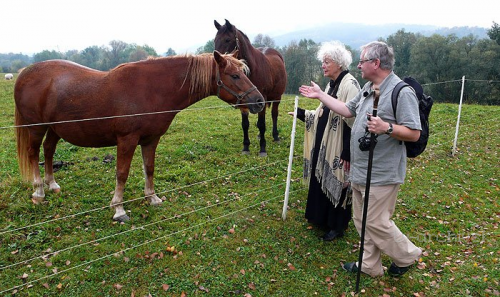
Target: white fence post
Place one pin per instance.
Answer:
(458, 119)
(290, 159)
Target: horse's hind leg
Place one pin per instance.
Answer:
(125, 152)
(274, 115)
(245, 125)
(35, 141)
(148, 160)
(49, 148)
(261, 124)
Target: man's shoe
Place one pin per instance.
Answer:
(331, 235)
(350, 267)
(396, 271)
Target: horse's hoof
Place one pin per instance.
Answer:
(155, 201)
(122, 218)
(245, 152)
(277, 140)
(262, 154)
(54, 187)
(37, 199)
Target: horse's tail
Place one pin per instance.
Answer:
(22, 138)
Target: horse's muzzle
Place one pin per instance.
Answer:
(258, 104)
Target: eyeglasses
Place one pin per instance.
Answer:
(363, 61)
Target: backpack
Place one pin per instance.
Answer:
(425, 102)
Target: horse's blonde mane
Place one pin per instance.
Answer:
(200, 71)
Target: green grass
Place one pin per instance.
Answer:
(222, 213)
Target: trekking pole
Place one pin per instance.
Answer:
(376, 95)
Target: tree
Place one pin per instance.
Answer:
(47, 55)
(431, 62)
(484, 55)
(494, 33)
(74, 55)
(301, 64)
(263, 41)
(402, 43)
(92, 57)
(137, 54)
(13, 62)
(149, 50)
(17, 64)
(209, 47)
(116, 55)
(170, 52)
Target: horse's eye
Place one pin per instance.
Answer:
(235, 76)
(228, 40)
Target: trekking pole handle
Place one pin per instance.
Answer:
(376, 97)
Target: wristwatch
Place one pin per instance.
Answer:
(389, 131)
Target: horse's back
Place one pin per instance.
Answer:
(39, 76)
(274, 73)
(44, 85)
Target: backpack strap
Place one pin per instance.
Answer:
(395, 95)
(394, 98)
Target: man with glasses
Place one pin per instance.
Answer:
(389, 161)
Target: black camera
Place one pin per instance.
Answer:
(365, 141)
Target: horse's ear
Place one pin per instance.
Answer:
(235, 52)
(219, 59)
(217, 25)
(228, 25)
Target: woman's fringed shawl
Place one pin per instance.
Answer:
(329, 170)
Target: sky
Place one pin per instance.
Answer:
(31, 26)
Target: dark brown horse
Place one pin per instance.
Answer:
(267, 73)
(132, 104)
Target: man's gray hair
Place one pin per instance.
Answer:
(336, 51)
(379, 50)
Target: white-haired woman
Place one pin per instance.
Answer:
(326, 146)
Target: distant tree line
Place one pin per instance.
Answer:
(97, 57)
(431, 60)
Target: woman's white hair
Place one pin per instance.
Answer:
(336, 51)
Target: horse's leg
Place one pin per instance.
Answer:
(125, 151)
(35, 141)
(245, 124)
(261, 124)
(49, 148)
(274, 115)
(148, 160)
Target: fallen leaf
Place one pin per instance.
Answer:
(251, 286)
(202, 288)
(117, 286)
(165, 287)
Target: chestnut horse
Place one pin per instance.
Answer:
(132, 104)
(267, 73)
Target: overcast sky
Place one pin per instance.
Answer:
(30, 26)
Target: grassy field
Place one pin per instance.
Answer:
(219, 231)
